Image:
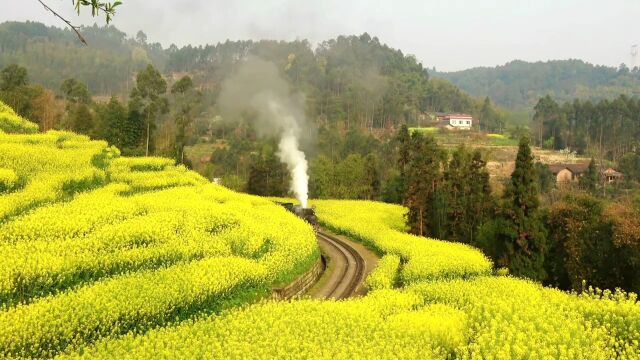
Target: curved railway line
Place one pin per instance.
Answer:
(348, 264)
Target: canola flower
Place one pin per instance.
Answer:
(514, 318)
(378, 225)
(95, 245)
(385, 275)
(10, 122)
(103, 256)
(384, 325)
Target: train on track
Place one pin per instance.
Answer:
(307, 214)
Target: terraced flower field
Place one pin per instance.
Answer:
(94, 245)
(103, 256)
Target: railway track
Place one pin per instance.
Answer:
(348, 268)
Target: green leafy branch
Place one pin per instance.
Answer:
(97, 7)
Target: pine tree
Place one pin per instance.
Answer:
(520, 235)
(458, 189)
(481, 202)
(423, 179)
(468, 193)
(404, 153)
(113, 118)
(589, 180)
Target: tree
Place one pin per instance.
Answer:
(547, 113)
(267, 175)
(321, 181)
(16, 92)
(423, 179)
(147, 100)
(12, 77)
(403, 139)
(629, 166)
(520, 235)
(80, 119)
(546, 179)
(186, 99)
(468, 194)
(141, 37)
(47, 110)
(371, 177)
(589, 180)
(594, 242)
(75, 91)
(113, 124)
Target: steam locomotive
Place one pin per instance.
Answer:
(307, 214)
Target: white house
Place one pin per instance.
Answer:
(457, 121)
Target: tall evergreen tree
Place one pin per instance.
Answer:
(590, 178)
(398, 183)
(423, 179)
(113, 119)
(520, 235)
(468, 193)
(481, 203)
(371, 177)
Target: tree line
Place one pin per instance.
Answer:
(131, 125)
(517, 85)
(580, 239)
(606, 129)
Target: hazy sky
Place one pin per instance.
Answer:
(447, 34)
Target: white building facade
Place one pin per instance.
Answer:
(458, 121)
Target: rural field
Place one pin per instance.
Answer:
(105, 256)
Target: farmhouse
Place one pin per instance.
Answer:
(456, 121)
(610, 175)
(568, 172)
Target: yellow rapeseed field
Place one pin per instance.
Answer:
(103, 256)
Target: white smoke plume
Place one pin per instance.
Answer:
(258, 88)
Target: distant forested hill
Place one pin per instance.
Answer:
(519, 84)
(51, 55)
(353, 80)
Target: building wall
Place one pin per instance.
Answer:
(564, 175)
(461, 122)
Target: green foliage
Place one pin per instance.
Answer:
(519, 84)
(520, 239)
(546, 179)
(590, 179)
(629, 166)
(267, 175)
(582, 245)
(11, 122)
(422, 179)
(607, 128)
(147, 101)
(468, 191)
(12, 76)
(108, 8)
(75, 91)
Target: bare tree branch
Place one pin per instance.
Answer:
(75, 28)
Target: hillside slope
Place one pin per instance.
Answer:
(93, 244)
(103, 256)
(519, 84)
